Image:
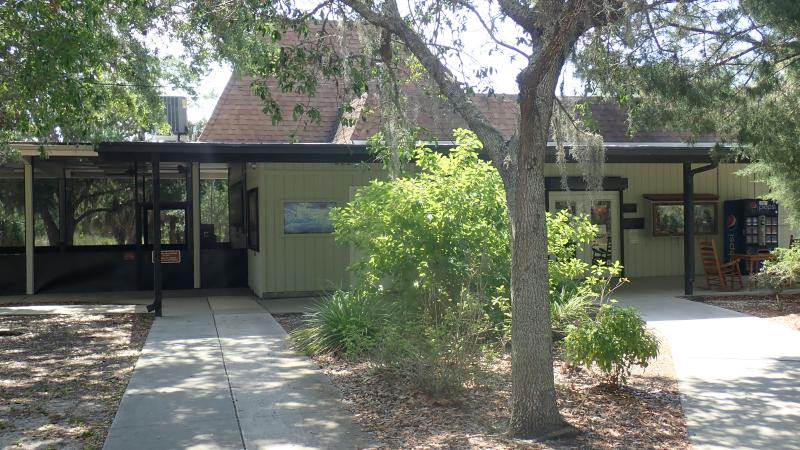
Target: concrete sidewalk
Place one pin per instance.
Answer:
(739, 376)
(34, 310)
(215, 373)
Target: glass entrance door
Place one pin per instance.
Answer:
(602, 209)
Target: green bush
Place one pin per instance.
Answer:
(348, 323)
(434, 244)
(425, 237)
(440, 356)
(780, 272)
(614, 341)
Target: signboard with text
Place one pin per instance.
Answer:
(168, 257)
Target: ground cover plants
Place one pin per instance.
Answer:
(62, 376)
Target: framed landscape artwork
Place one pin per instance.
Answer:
(668, 219)
(307, 217)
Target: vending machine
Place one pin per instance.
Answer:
(751, 226)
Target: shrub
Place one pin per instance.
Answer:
(439, 356)
(348, 323)
(614, 341)
(781, 272)
(427, 236)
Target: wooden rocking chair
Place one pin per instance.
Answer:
(721, 276)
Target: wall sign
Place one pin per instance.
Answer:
(633, 223)
(167, 257)
(629, 207)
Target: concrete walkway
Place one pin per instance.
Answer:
(34, 310)
(215, 373)
(739, 376)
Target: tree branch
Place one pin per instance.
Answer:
(490, 30)
(523, 15)
(392, 21)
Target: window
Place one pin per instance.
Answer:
(173, 226)
(100, 211)
(307, 217)
(214, 217)
(172, 189)
(252, 219)
(12, 213)
(45, 207)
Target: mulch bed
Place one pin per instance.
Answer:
(646, 414)
(763, 306)
(62, 376)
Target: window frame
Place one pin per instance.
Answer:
(253, 222)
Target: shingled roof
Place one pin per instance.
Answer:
(239, 118)
(239, 115)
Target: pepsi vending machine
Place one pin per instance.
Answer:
(751, 227)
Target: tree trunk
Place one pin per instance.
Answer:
(51, 227)
(534, 412)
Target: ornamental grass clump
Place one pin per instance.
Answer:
(346, 323)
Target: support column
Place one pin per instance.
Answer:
(196, 224)
(156, 168)
(688, 229)
(62, 211)
(29, 244)
(137, 214)
(688, 223)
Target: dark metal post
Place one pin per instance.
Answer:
(156, 167)
(62, 211)
(688, 229)
(137, 212)
(187, 177)
(621, 231)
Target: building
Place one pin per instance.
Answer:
(247, 208)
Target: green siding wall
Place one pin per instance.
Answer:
(304, 262)
(646, 255)
(298, 264)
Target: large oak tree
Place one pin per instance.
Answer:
(62, 61)
(434, 33)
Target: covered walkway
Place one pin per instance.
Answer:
(739, 375)
(216, 373)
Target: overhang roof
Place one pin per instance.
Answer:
(621, 152)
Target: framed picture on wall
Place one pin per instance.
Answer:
(668, 219)
(252, 219)
(307, 217)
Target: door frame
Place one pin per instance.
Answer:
(583, 201)
(610, 185)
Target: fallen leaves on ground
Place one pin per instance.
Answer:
(62, 376)
(764, 306)
(646, 414)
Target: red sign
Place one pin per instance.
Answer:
(168, 257)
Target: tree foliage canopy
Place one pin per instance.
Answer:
(725, 71)
(83, 71)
